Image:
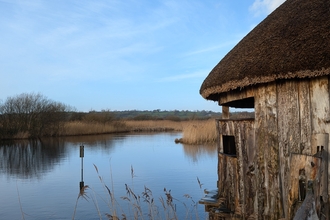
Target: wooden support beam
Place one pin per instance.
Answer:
(225, 112)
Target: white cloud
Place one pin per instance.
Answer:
(213, 48)
(265, 6)
(198, 74)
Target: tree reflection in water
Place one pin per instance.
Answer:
(30, 158)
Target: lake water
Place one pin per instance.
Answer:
(41, 179)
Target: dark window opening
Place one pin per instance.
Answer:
(241, 103)
(229, 146)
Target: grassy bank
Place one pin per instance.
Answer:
(76, 128)
(193, 131)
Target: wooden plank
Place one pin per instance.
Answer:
(269, 205)
(288, 135)
(305, 116)
(236, 95)
(261, 164)
(319, 88)
(240, 139)
(248, 174)
(219, 137)
(225, 112)
(243, 131)
(319, 104)
(228, 180)
(272, 154)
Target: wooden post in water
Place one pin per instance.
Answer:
(81, 185)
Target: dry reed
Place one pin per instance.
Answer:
(140, 206)
(194, 131)
(87, 128)
(155, 125)
(199, 132)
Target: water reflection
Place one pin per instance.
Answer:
(60, 170)
(105, 141)
(30, 158)
(198, 151)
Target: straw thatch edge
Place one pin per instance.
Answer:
(213, 92)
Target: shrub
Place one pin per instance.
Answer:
(32, 114)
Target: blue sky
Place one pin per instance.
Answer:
(120, 54)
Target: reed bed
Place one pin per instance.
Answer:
(88, 128)
(194, 131)
(199, 132)
(155, 125)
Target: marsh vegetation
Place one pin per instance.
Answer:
(35, 116)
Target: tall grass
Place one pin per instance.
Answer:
(194, 131)
(140, 206)
(88, 128)
(199, 132)
(155, 125)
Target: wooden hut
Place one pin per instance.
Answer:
(281, 69)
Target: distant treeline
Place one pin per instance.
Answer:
(174, 115)
(158, 114)
(33, 115)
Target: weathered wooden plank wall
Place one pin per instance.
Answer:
(319, 94)
(228, 171)
(288, 116)
(320, 124)
(269, 203)
(246, 156)
(244, 202)
(228, 182)
(305, 116)
(288, 137)
(319, 104)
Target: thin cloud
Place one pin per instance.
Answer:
(199, 74)
(209, 49)
(260, 7)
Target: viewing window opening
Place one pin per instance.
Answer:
(229, 146)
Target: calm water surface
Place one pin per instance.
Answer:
(40, 179)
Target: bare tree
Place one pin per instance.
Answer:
(31, 113)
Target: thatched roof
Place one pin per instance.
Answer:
(292, 42)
